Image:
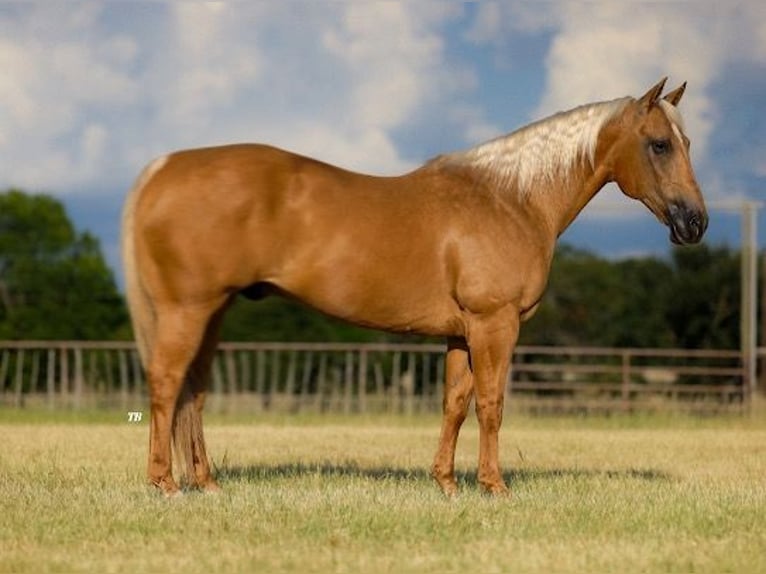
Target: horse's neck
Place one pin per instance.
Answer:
(548, 166)
(566, 196)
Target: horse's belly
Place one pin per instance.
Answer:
(408, 304)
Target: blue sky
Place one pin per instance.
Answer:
(90, 92)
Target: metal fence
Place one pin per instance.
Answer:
(368, 378)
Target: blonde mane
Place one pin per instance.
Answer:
(545, 149)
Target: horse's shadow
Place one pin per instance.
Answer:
(264, 472)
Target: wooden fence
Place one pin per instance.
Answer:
(351, 378)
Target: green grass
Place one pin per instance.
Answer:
(621, 494)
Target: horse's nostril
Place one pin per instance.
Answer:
(694, 221)
(696, 224)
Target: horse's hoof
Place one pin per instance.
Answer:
(211, 487)
(498, 490)
(449, 489)
(173, 494)
(167, 487)
(448, 485)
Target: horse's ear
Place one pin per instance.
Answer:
(675, 96)
(650, 98)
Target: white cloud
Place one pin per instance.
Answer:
(205, 61)
(56, 73)
(487, 26)
(88, 95)
(496, 21)
(477, 128)
(385, 70)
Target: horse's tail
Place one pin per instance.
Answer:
(187, 422)
(142, 314)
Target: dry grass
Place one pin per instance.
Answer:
(351, 495)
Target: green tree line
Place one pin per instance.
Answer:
(55, 284)
(54, 281)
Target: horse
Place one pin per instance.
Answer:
(459, 248)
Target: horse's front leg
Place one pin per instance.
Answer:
(491, 346)
(458, 390)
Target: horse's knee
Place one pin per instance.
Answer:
(455, 405)
(490, 413)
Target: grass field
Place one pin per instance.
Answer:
(669, 494)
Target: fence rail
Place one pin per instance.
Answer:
(402, 378)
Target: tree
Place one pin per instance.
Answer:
(54, 282)
(690, 300)
(703, 306)
(581, 304)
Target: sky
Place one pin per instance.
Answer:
(91, 92)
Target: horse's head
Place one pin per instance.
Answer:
(650, 162)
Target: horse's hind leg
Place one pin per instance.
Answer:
(180, 331)
(458, 390)
(193, 400)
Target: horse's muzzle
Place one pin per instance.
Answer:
(687, 224)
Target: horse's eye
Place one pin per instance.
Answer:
(660, 147)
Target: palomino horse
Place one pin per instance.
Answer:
(460, 247)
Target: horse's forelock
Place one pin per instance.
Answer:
(674, 117)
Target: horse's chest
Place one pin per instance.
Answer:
(488, 287)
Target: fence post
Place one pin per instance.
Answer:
(244, 368)
(362, 381)
(380, 387)
(78, 377)
(35, 374)
(51, 378)
(64, 374)
(18, 379)
(322, 383)
(123, 366)
(138, 372)
(108, 362)
(305, 397)
(396, 372)
(217, 402)
(232, 383)
(260, 376)
(348, 382)
(290, 398)
(409, 383)
(625, 383)
(4, 370)
(276, 368)
(749, 296)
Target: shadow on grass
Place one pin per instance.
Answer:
(257, 473)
